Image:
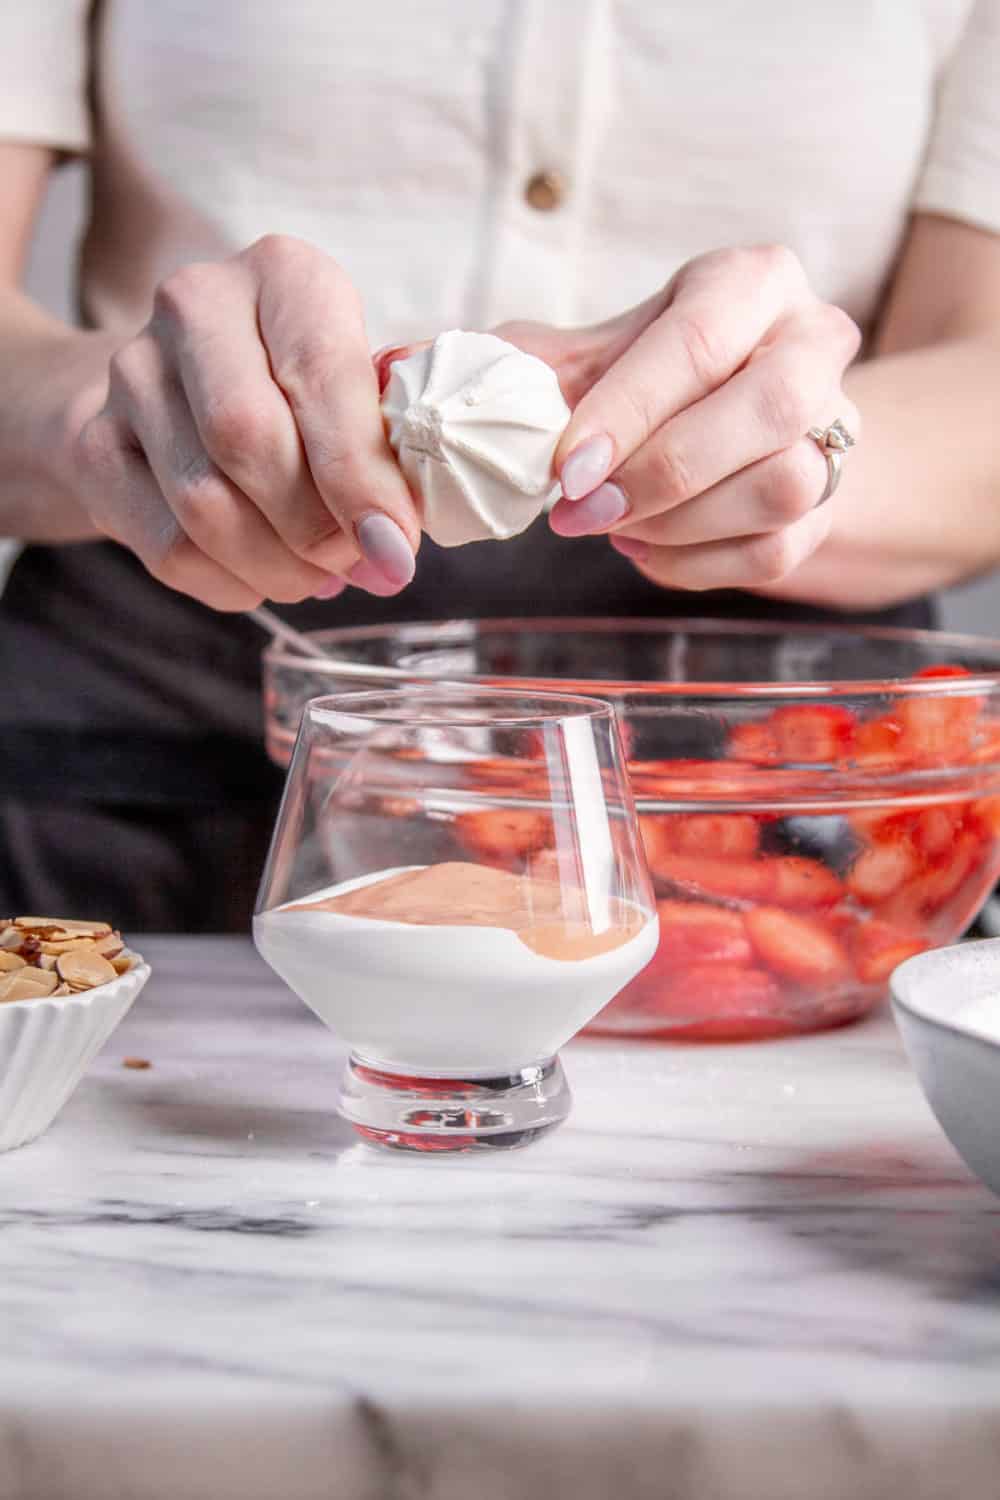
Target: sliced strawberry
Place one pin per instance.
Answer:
(499, 772)
(879, 745)
(655, 832)
(722, 834)
(933, 888)
(754, 743)
(796, 947)
(503, 834)
(702, 1002)
(882, 869)
(942, 669)
(939, 729)
(871, 822)
(986, 748)
(813, 734)
(934, 829)
(726, 879)
(691, 932)
(878, 948)
(986, 812)
(674, 780)
(800, 882)
(717, 990)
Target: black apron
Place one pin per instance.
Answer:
(133, 780)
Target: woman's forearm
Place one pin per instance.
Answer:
(919, 505)
(52, 378)
(918, 508)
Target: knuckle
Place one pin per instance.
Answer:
(779, 261)
(770, 558)
(315, 529)
(232, 427)
(277, 251)
(784, 408)
(98, 448)
(669, 473)
(706, 347)
(303, 366)
(791, 487)
(196, 497)
(641, 405)
(128, 372)
(184, 290)
(843, 330)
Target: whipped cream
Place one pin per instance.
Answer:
(440, 998)
(474, 423)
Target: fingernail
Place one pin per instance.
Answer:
(630, 547)
(603, 508)
(587, 466)
(331, 588)
(365, 576)
(387, 549)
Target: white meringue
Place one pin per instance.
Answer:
(474, 423)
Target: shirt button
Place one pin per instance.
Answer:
(545, 191)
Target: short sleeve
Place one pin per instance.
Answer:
(43, 72)
(961, 175)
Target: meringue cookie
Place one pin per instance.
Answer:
(474, 423)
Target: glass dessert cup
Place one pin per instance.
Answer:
(817, 803)
(456, 934)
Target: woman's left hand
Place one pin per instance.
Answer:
(688, 445)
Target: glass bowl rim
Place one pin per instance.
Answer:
(466, 628)
(553, 705)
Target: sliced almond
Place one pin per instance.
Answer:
(110, 946)
(84, 970)
(122, 963)
(30, 984)
(67, 945)
(10, 961)
(10, 938)
(67, 925)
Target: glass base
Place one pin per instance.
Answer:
(424, 1113)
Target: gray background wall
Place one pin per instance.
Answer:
(975, 608)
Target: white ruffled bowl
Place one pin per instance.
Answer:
(47, 1045)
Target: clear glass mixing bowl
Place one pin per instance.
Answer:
(817, 803)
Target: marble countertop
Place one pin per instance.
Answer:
(736, 1273)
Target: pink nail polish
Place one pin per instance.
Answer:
(587, 466)
(629, 547)
(386, 548)
(364, 575)
(596, 512)
(331, 588)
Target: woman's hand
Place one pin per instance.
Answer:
(240, 452)
(687, 444)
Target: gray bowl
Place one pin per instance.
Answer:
(957, 1063)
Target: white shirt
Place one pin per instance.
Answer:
(403, 138)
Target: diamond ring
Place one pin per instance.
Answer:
(833, 442)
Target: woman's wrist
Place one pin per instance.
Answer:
(52, 380)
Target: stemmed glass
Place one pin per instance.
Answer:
(456, 885)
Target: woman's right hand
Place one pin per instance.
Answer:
(240, 452)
